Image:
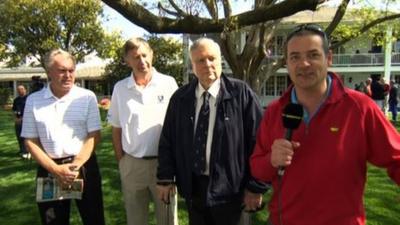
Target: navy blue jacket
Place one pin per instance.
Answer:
(19, 106)
(236, 123)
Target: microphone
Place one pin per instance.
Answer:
(291, 117)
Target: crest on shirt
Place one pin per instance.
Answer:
(160, 98)
(334, 129)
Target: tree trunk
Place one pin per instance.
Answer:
(249, 62)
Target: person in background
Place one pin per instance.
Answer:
(207, 139)
(325, 162)
(61, 127)
(386, 90)
(36, 84)
(137, 110)
(18, 109)
(393, 99)
(360, 87)
(367, 89)
(378, 93)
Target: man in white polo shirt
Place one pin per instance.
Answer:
(137, 111)
(61, 126)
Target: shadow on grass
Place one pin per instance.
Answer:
(17, 190)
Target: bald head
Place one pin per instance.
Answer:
(21, 90)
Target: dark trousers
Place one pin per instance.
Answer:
(90, 207)
(393, 110)
(18, 129)
(201, 214)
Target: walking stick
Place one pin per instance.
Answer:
(246, 215)
(167, 205)
(246, 218)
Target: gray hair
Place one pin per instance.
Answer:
(49, 58)
(204, 41)
(135, 43)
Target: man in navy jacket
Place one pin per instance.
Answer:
(216, 194)
(18, 109)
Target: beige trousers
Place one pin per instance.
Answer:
(138, 178)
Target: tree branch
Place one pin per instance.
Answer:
(176, 7)
(227, 8)
(227, 44)
(337, 18)
(212, 8)
(267, 34)
(268, 2)
(172, 13)
(140, 16)
(365, 29)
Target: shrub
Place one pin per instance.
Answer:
(5, 96)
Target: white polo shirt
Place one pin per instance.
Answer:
(140, 112)
(61, 124)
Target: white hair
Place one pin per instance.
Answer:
(204, 41)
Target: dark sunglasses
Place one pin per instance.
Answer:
(314, 28)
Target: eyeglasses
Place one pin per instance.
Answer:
(314, 28)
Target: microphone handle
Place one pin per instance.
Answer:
(288, 136)
(281, 171)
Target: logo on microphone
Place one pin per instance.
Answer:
(292, 116)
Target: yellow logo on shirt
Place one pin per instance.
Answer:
(334, 129)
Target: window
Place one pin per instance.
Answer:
(6, 84)
(277, 45)
(281, 85)
(397, 78)
(95, 85)
(270, 86)
(275, 86)
(397, 46)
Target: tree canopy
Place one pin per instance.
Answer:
(30, 28)
(167, 59)
(369, 21)
(167, 56)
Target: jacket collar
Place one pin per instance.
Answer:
(337, 91)
(153, 81)
(226, 88)
(49, 94)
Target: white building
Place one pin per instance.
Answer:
(355, 61)
(88, 75)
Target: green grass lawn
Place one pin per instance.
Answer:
(17, 204)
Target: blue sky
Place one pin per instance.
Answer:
(116, 22)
